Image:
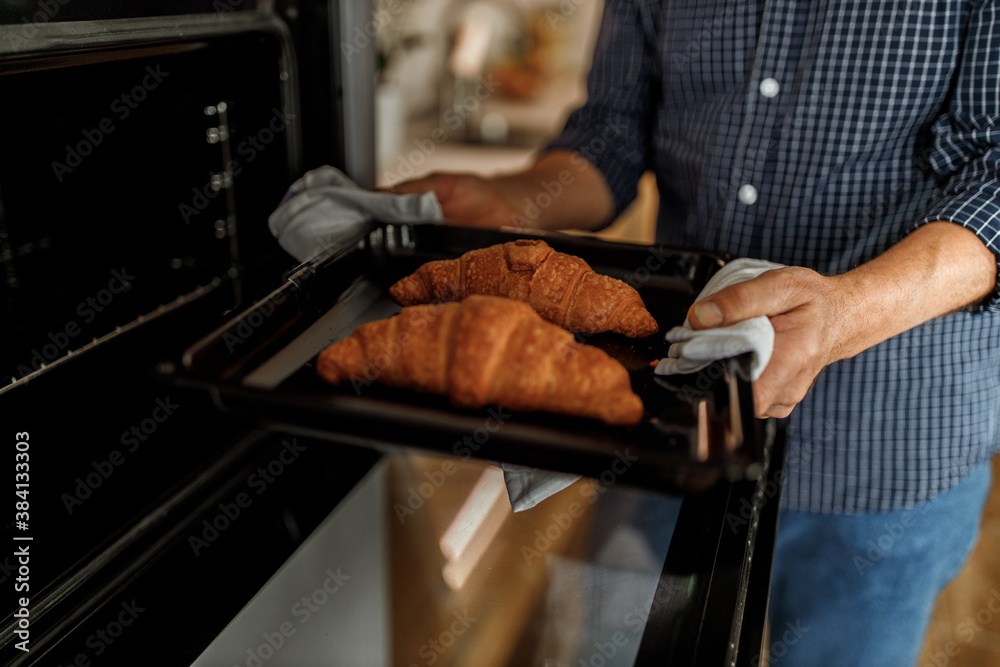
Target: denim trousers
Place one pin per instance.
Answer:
(859, 589)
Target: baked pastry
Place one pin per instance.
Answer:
(486, 350)
(562, 288)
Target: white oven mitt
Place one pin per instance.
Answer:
(325, 207)
(693, 350)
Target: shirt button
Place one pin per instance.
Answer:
(769, 87)
(747, 194)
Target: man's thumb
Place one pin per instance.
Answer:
(706, 314)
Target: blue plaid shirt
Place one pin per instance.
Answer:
(818, 134)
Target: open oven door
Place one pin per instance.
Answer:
(188, 499)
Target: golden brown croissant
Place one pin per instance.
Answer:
(482, 351)
(562, 288)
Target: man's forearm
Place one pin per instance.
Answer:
(561, 190)
(938, 268)
(817, 319)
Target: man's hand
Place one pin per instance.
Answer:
(817, 319)
(465, 199)
(807, 314)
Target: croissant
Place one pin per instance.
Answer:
(562, 288)
(482, 351)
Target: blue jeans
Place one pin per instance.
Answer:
(859, 589)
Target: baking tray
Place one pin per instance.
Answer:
(697, 428)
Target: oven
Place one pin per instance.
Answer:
(185, 491)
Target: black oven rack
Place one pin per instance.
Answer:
(697, 428)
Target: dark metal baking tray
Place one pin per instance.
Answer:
(697, 428)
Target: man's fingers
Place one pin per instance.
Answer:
(790, 373)
(771, 394)
(803, 309)
(770, 293)
(766, 389)
(779, 411)
(415, 187)
(766, 401)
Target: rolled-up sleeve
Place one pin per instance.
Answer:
(966, 148)
(611, 130)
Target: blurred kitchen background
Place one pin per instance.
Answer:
(480, 85)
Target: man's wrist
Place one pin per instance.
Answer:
(854, 316)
